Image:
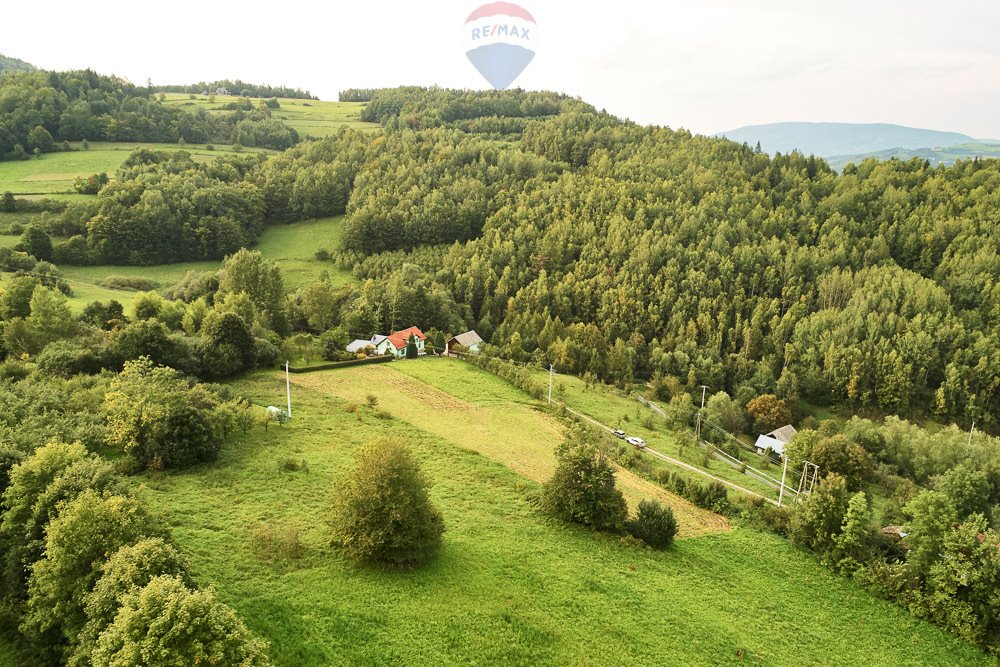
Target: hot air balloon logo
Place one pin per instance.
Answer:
(500, 37)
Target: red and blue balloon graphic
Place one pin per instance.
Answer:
(500, 37)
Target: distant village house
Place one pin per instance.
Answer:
(394, 343)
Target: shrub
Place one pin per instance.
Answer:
(178, 626)
(130, 283)
(583, 490)
(290, 464)
(712, 496)
(67, 357)
(654, 524)
(154, 415)
(90, 185)
(382, 513)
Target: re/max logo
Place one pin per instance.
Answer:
(500, 30)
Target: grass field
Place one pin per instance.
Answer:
(292, 246)
(54, 173)
(509, 587)
(478, 412)
(314, 118)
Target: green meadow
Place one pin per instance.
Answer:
(292, 246)
(315, 118)
(509, 587)
(54, 173)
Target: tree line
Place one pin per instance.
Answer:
(237, 87)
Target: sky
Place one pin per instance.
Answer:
(705, 65)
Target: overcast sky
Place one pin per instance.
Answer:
(707, 65)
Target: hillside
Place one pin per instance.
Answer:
(733, 292)
(509, 587)
(8, 64)
(838, 139)
(935, 156)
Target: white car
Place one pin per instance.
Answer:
(638, 442)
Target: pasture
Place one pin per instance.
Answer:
(310, 118)
(509, 587)
(54, 173)
(478, 412)
(292, 246)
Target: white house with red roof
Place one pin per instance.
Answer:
(394, 342)
(397, 341)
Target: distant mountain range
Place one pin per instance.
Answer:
(841, 143)
(14, 65)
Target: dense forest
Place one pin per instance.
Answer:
(640, 256)
(629, 253)
(40, 110)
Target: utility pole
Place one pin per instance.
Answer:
(784, 472)
(697, 426)
(551, 369)
(970, 433)
(288, 389)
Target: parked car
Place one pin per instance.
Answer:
(618, 433)
(638, 442)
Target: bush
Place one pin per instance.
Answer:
(130, 283)
(158, 419)
(178, 626)
(382, 513)
(654, 524)
(90, 185)
(68, 357)
(712, 496)
(583, 490)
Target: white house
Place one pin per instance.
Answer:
(394, 342)
(775, 440)
(469, 340)
(397, 341)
